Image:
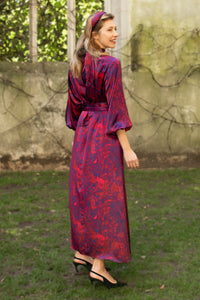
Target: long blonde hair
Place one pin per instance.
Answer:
(87, 44)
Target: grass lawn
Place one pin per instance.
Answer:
(164, 215)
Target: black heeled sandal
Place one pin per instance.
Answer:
(86, 264)
(106, 282)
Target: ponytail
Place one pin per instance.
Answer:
(87, 44)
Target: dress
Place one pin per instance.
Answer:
(96, 109)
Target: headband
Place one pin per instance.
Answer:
(97, 17)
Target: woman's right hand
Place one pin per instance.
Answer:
(131, 158)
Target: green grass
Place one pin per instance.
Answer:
(164, 216)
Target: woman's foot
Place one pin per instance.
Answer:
(82, 258)
(99, 267)
(99, 273)
(105, 281)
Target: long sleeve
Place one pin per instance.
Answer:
(118, 117)
(74, 106)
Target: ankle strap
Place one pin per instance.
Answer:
(80, 259)
(97, 274)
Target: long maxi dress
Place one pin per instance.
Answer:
(96, 109)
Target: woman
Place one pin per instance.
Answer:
(96, 110)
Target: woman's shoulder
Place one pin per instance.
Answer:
(110, 60)
(105, 59)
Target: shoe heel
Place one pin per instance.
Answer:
(91, 280)
(75, 266)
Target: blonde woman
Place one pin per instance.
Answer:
(97, 111)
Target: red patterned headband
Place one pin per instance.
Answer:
(97, 17)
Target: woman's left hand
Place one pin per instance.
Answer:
(131, 159)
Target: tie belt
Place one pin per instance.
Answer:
(98, 106)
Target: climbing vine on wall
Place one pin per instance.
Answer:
(161, 83)
(170, 62)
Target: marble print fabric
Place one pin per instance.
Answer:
(96, 109)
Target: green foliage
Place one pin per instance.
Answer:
(84, 9)
(14, 30)
(52, 28)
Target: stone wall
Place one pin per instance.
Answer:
(33, 99)
(33, 134)
(161, 68)
(161, 73)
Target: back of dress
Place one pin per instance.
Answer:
(100, 82)
(96, 109)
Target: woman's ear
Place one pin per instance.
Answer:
(94, 36)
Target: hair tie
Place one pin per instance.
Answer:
(96, 18)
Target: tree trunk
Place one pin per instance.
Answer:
(33, 30)
(71, 21)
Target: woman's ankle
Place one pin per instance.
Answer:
(77, 254)
(98, 265)
(83, 256)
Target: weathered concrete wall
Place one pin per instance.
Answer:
(161, 73)
(33, 99)
(33, 134)
(161, 64)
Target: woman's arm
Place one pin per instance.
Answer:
(129, 155)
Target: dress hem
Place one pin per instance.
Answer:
(105, 257)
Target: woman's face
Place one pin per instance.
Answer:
(107, 35)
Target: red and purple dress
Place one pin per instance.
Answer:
(96, 109)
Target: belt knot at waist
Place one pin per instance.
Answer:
(98, 106)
